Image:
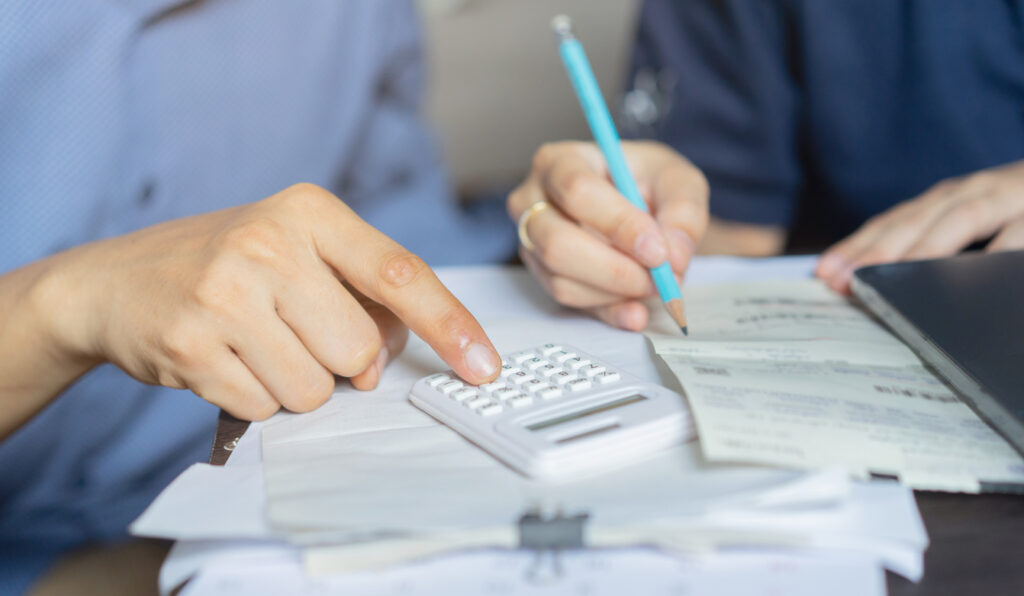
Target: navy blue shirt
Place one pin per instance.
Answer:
(844, 106)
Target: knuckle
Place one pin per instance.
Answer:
(312, 391)
(565, 292)
(360, 353)
(513, 200)
(577, 187)
(306, 194)
(216, 288)
(303, 201)
(454, 322)
(179, 344)
(258, 410)
(624, 278)
(981, 182)
(968, 213)
(399, 269)
(629, 224)
(262, 240)
(544, 155)
(551, 250)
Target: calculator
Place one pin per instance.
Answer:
(558, 413)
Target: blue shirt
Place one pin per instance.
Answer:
(118, 114)
(840, 107)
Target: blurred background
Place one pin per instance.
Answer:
(497, 89)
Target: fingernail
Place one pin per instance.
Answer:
(650, 249)
(382, 361)
(482, 361)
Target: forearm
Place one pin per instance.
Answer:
(36, 362)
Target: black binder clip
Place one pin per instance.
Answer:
(548, 537)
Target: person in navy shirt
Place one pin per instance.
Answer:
(894, 130)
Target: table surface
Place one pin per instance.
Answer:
(977, 546)
(977, 541)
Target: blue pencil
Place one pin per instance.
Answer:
(601, 126)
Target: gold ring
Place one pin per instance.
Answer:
(524, 238)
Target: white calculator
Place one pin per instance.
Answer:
(557, 413)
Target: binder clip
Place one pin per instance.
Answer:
(548, 537)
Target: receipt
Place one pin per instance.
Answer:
(790, 374)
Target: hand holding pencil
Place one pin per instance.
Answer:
(589, 245)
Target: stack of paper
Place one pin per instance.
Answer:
(791, 374)
(368, 481)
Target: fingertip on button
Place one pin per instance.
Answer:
(482, 361)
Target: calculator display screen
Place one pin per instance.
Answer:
(605, 407)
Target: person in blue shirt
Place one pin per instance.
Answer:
(156, 246)
(894, 129)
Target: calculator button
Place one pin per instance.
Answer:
(607, 377)
(562, 356)
(435, 380)
(508, 370)
(450, 386)
(520, 401)
(492, 387)
(479, 402)
(520, 377)
(592, 370)
(549, 349)
(490, 409)
(547, 370)
(464, 394)
(534, 385)
(506, 393)
(522, 357)
(550, 392)
(576, 363)
(562, 377)
(578, 384)
(534, 363)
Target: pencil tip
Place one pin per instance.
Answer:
(685, 330)
(675, 308)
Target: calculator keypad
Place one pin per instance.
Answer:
(546, 373)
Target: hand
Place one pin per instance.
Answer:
(592, 247)
(259, 306)
(940, 222)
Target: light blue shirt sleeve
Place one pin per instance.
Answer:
(116, 115)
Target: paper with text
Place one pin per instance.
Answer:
(792, 374)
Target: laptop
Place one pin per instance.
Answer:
(964, 316)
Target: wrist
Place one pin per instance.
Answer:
(63, 311)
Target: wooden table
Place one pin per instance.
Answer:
(977, 546)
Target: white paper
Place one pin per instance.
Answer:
(267, 566)
(593, 572)
(370, 464)
(792, 374)
(208, 502)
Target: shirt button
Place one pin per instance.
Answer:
(146, 193)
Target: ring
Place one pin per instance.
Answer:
(524, 238)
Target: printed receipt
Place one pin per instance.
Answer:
(792, 374)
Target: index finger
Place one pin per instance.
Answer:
(394, 277)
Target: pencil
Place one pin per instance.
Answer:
(601, 126)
